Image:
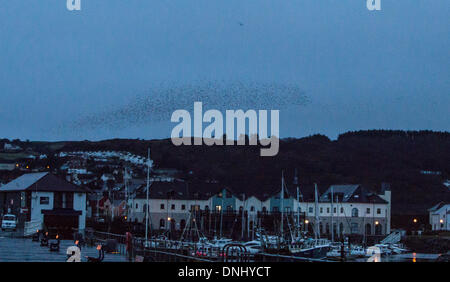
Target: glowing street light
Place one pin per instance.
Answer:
(415, 220)
(306, 221)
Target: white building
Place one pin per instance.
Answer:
(40, 199)
(439, 217)
(170, 204)
(10, 147)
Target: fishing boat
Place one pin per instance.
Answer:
(354, 251)
(310, 248)
(253, 247)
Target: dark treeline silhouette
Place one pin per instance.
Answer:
(366, 157)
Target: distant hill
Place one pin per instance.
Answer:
(368, 157)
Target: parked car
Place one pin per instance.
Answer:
(9, 221)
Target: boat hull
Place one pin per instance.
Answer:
(318, 252)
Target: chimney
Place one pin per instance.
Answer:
(385, 187)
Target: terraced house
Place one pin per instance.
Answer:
(171, 203)
(353, 209)
(342, 209)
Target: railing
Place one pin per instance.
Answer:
(392, 238)
(31, 227)
(170, 250)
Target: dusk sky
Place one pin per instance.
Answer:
(103, 72)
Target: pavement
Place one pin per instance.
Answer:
(25, 250)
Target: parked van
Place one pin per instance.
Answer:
(9, 221)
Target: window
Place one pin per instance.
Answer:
(241, 208)
(321, 210)
(264, 210)
(252, 208)
(334, 210)
(354, 212)
(63, 200)
(173, 207)
(328, 211)
(311, 210)
(342, 210)
(206, 208)
(162, 206)
(137, 206)
(378, 229)
(218, 208)
(68, 200)
(162, 223)
(57, 200)
(44, 200)
(368, 210)
(183, 207)
(354, 228)
(144, 208)
(378, 211)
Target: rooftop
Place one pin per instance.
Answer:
(41, 181)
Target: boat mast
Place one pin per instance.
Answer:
(298, 204)
(125, 178)
(282, 202)
(332, 213)
(243, 220)
(147, 216)
(316, 207)
(221, 214)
